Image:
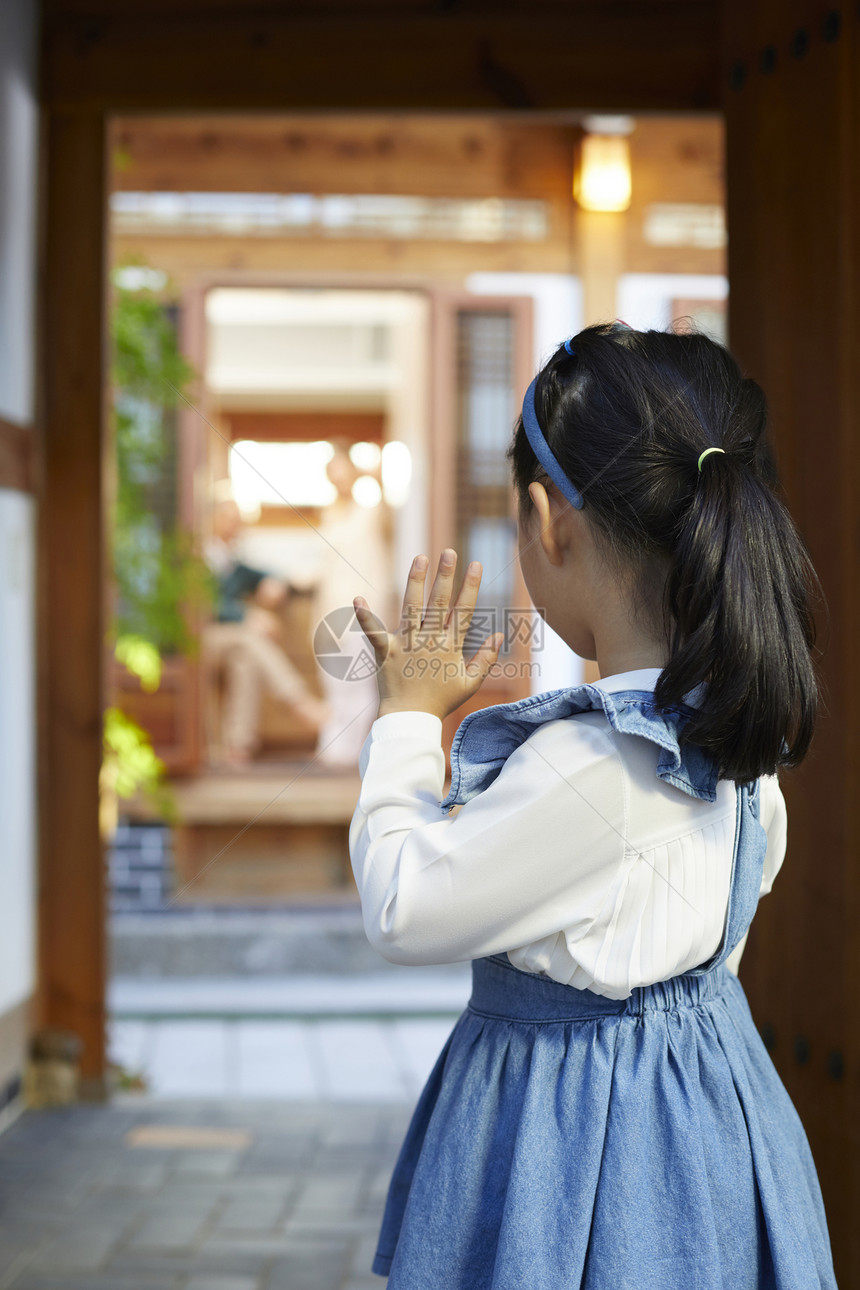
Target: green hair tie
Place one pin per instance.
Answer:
(705, 453)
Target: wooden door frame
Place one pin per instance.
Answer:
(444, 466)
(71, 662)
(72, 904)
(108, 58)
(440, 433)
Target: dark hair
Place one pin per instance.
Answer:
(627, 417)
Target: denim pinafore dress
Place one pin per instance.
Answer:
(568, 1141)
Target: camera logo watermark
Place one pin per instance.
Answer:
(344, 652)
(341, 647)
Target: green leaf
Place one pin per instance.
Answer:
(142, 659)
(161, 584)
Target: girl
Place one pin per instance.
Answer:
(604, 1113)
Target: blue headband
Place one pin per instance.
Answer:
(542, 450)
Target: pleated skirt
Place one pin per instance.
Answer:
(566, 1141)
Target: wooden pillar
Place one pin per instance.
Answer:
(601, 244)
(71, 581)
(792, 101)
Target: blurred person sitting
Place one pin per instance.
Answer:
(356, 559)
(244, 641)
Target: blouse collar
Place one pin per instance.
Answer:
(641, 678)
(644, 678)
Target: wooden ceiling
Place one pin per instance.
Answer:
(597, 55)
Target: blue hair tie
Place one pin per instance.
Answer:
(542, 450)
(570, 351)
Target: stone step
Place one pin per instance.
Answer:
(182, 944)
(404, 992)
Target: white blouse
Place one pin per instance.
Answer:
(577, 860)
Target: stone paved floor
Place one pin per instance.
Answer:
(285, 1036)
(298, 1059)
(196, 1195)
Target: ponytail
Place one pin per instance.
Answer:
(737, 594)
(627, 417)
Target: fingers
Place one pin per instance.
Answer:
(464, 606)
(440, 593)
(373, 627)
(413, 598)
(437, 617)
(485, 656)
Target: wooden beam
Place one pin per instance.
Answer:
(597, 55)
(17, 456)
(455, 155)
(187, 259)
(71, 581)
(283, 427)
(793, 180)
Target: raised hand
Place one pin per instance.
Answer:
(420, 667)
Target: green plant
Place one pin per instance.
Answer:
(130, 765)
(159, 582)
(141, 659)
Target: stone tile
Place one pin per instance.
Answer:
(310, 1265)
(253, 1213)
(273, 1167)
(246, 1261)
(280, 1058)
(197, 1137)
(208, 1164)
(128, 1043)
(84, 1246)
(131, 1173)
(299, 1209)
(275, 1060)
(325, 1224)
(189, 1058)
(247, 1246)
(377, 1190)
(208, 1281)
(13, 1262)
(358, 1062)
(352, 1128)
(169, 1231)
(364, 1253)
(334, 1193)
(417, 1043)
(182, 1191)
(100, 1281)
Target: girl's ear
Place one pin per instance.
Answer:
(545, 523)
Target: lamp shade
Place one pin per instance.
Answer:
(602, 180)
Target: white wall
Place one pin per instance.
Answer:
(408, 422)
(18, 125)
(645, 299)
(17, 749)
(18, 121)
(558, 313)
(277, 345)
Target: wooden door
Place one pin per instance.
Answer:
(792, 101)
(481, 366)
